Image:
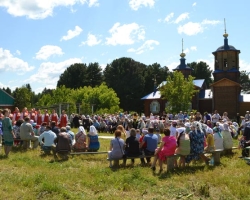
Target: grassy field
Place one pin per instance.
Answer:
(28, 175)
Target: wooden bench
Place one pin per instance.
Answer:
(88, 153)
(116, 160)
(229, 151)
(171, 161)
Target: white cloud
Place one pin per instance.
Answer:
(93, 3)
(168, 17)
(36, 9)
(244, 65)
(18, 52)
(172, 65)
(210, 22)
(181, 17)
(91, 41)
(209, 61)
(48, 50)
(125, 34)
(193, 28)
(193, 48)
(103, 66)
(49, 72)
(194, 4)
(10, 63)
(190, 28)
(148, 45)
(136, 4)
(72, 33)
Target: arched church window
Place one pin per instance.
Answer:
(154, 107)
(225, 62)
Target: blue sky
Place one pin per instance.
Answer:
(39, 39)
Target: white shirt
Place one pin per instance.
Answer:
(49, 137)
(173, 131)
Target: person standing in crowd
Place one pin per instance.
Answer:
(8, 133)
(39, 117)
(16, 115)
(27, 134)
(71, 117)
(54, 117)
(46, 117)
(24, 113)
(63, 119)
(215, 118)
(76, 122)
(32, 115)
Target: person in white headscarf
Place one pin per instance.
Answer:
(93, 143)
(227, 137)
(80, 138)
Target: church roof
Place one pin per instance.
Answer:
(157, 95)
(153, 95)
(230, 47)
(197, 83)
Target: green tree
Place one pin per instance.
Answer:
(126, 77)
(245, 81)
(8, 90)
(94, 75)
(102, 98)
(178, 91)
(22, 97)
(75, 76)
(201, 71)
(154, 73)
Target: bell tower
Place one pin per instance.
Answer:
(183, 68)
(226, 87)
(226, 61)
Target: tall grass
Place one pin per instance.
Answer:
(28, 175)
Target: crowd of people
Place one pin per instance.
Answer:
(185, 134)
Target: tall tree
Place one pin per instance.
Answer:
(75, 76)
(245, 81)
(201, 71)
(154, 73)
(178, 92)
(94, 74)
(22, 97)
(126, 77)
(8, 90)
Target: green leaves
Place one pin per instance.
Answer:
(179, 92)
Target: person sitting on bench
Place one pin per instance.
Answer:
(46, 140)
(152, 140)
(132, 146)
(63, 145)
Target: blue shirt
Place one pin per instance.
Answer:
(152, 141)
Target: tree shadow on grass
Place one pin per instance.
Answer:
(187, 170)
